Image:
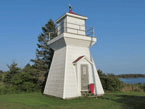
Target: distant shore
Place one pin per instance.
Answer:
(131, 76)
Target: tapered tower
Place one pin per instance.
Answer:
(72, 70)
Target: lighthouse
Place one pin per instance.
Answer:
(72, 70)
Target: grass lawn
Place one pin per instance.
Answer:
(128, 100)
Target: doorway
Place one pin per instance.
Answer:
(84, 77)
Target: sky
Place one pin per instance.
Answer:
(119, 28)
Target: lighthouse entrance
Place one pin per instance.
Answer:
(84, 77)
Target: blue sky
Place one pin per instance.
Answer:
(119, 27)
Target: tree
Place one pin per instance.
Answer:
(109, 81)
(100, 73)
(31, 71)
(44, 53)
(13, 70)
(24, 82)
(1, 76)
(34, 74)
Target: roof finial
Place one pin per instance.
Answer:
(70, 9)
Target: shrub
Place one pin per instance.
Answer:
(110, 82)
(143, 87)
(132, 87)
(9, 90)
(1, 77)
(24, 82)
(28, 86)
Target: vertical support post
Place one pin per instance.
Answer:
(93, 32)
(49, 36)
(94, 79)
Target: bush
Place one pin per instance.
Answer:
(24, 82)
(132, 87)
(8, 91)
(21, 80)
(143, 87)
(28, 86)
(1, 77)
(110, 82)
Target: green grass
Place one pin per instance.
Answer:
(129, 100)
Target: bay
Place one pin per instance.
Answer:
(133, 80)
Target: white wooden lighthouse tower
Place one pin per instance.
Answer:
(72, 68)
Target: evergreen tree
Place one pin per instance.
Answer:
(109, 81)
(34, 73)
(13, 70)
(43, 52)
(1, 76)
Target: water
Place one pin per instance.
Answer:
(133, 80)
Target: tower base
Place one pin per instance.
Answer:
(64, 79)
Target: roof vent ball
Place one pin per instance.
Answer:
(70, 9)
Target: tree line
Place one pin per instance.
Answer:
(30, 79)
(131, 76)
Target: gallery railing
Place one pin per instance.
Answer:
(66, 27)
